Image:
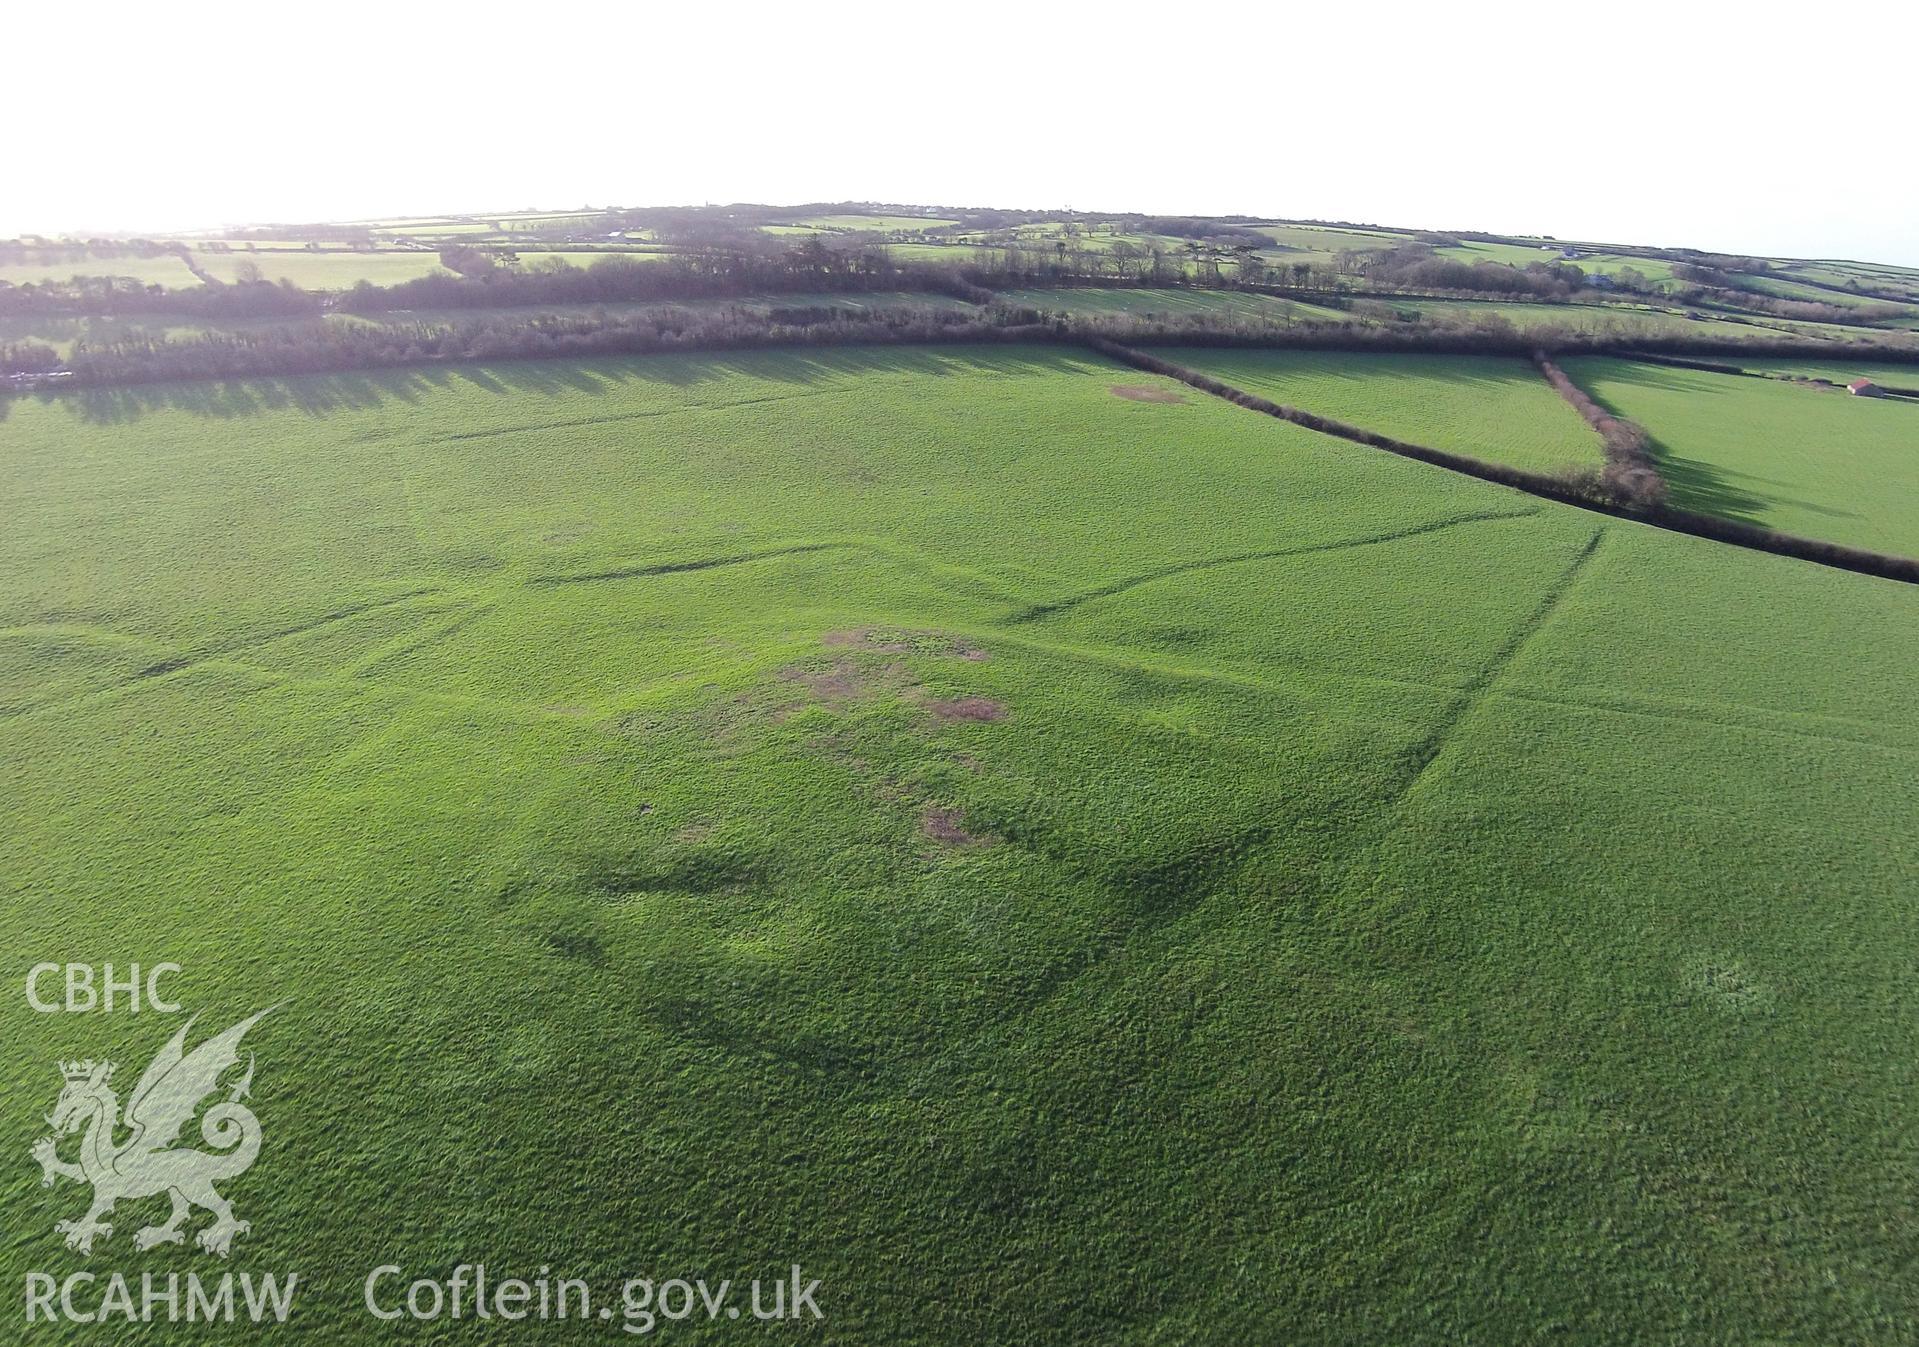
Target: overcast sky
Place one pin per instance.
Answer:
(1627, 122)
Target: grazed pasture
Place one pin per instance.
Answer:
(923, 815)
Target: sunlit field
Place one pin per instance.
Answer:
(1057, 855)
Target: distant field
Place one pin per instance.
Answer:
(1893, 280)
(882, 222)
(858, 302)
(582, 258)
(451, 228)
(61, 333)
(326, 270)
(1592, 263)
(936, 814)
(1839, 371)
(1170, 303)
(166, 270)
(1329, 240)
(1578, 317)
(1624, 321)
(1782, 288)
(1806, 460)
(932, 252)
(1491, 407)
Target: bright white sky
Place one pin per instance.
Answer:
(1747, 129)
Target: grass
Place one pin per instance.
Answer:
(1492, 407)
(1804, 460)
(62, 332)
(167, 270)
(1329, 240)
(1786, 288)
(887, 223)
(1839, 371)
(1523, 255)
(1624, 321)
(581, 257)
(1401, 909)
(326, 270)
(1082, 300)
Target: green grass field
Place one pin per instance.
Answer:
(328, 270)
(1491, 407)
(885, 223)
(166, 270)
(1083, 300)
(1592, 262)
(1623, 322)
(1838, 371)
(1059, 865)
(1785, 288)
(1804, 460)
(1326, 242)
(580, 257)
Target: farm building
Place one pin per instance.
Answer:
(1865, 388)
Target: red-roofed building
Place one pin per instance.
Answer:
(1865, 388)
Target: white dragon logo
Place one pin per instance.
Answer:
(147, 1162)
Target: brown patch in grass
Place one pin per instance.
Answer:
(943, 826)
(896, 642)
(1146, 393)
(844, 681)
(968, 708)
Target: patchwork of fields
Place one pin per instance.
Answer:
(1058, 855)
(1798, 458)
(163, 270)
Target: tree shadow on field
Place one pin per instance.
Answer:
(322, 395)
(1697, 484)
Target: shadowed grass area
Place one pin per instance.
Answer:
(1060, 867)
(1801, 459)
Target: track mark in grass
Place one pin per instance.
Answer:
(677, 567)
(178, 662)
(1041, 610)
(165, 666)
(1428, 749)
(415, 641)
(1723, 715)
(578, 423)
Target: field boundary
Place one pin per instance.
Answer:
(1630, 476)
(1884, 566)
(1713, 367)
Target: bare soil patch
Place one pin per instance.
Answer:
(1146, 393)
(943, 826)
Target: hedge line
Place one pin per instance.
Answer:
(1567, 492)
